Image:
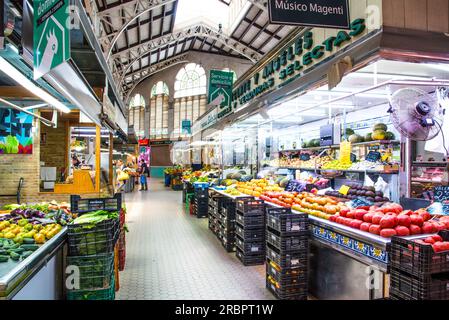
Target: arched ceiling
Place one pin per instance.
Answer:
(139, 37)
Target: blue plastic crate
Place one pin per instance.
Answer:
(201, 185)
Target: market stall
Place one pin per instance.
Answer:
(363, 110)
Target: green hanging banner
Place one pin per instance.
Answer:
(220, 90)
(51, 35)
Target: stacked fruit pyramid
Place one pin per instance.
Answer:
(420, 268)
(250, 231)
(92, 247)
(287, 253)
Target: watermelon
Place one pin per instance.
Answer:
(380, 126)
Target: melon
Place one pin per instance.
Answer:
(229, 175)
(355, 138)
(369, 137)
(380, 126)
(349, 131)
(390, 135)
(284, 182)
(379, 135)
(242, 172)
(278, 179)
(236, 176)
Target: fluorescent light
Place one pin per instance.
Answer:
(20, 78)
(36, 106)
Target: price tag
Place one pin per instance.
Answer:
(373, 156)
(304, 157)
(439, 209)
(344, 190)
(360, 202)
(441, 193)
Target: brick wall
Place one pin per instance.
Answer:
(53, 152)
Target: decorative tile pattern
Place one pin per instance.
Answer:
(172, 255)
(351, 244)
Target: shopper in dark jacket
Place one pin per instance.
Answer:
(143, 170)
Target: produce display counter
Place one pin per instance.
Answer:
(39, 276)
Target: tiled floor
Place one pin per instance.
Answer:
(171, 255)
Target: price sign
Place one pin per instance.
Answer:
(344, 190)
(304, 157)
(373, 156)
(441, 204)
(295, 186)
(360, 202)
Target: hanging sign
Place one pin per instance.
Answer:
(311, 13)
(15, 132)
(144, 142)
(220, 91)
(441, 204)
(186, 126)
(51, 35)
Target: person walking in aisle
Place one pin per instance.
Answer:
(143, 175)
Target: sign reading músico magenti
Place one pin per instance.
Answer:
(51, 36)
(313, 13)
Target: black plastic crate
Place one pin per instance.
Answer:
(188, 187)
(227, 244)
(285, 260)
(285, 222)
(289, 277)
(95, 272)
(250, 234)
(250, 247)
(249, 260)
(250, 222)
(418, 259)
(201, 194)
(228, 212)
(87, 239)
(250, 206)
(291, 293)
(287, 272)
(287, 243)
(427, 287)
(78, 205)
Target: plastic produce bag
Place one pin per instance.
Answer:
(368, 182)
(382, 186)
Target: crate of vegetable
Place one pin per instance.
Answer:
(80, 206)
(99, 294)
(95, 272)
(93, 233)
(428, 255)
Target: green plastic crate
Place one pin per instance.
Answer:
(100, 294)
(95, 271)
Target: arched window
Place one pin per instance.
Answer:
(190, 81)
(159, 111)
(190, 98)
(234, 77)
(137, 114)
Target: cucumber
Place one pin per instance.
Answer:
(28, 241)
(3, 252)
(4, 258)
(30, 247)
(18, 250)
(15, 256)
(26, 254)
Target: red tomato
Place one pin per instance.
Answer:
(439, 246)
(356, 224)
(333, 218)
(365, 226)
(376, 218)
(388, 222)
(402, 231)
(414, 229)
(417, 220)
(350, 215)
(368, 217)
(375, 229)
(437, 237)
(388, 233)
(429, 240)
(428, 228)
(406, 212)
(425, 215)
(343, 212)
(359, 214)
(404, 220)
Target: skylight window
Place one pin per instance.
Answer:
(210, 12)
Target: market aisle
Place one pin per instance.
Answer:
(171, 255)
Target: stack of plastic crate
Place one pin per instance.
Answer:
(417, 272)
(214, 201)
(250, 242)
(91, 251)
(201, 202)
(227, 224)
(287, 253)
(122, 241)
